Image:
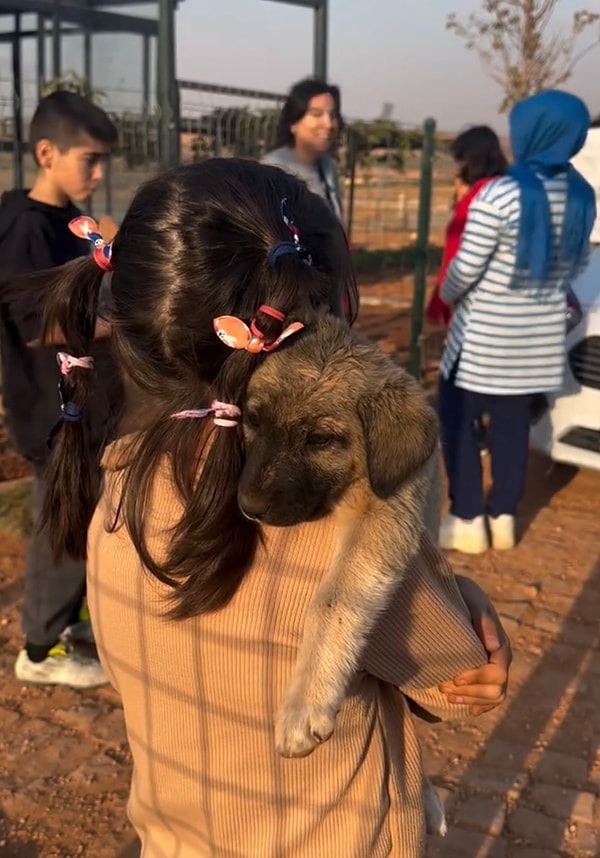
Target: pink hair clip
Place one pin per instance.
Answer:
(87, 228)
(224, 413)
(236, 334)
(68, 362)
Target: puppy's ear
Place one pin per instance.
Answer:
(401, 432)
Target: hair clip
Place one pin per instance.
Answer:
(87, 228)
(70, 411)
(224, 413)
(284, 248)
(236, 334)
(68, 362)
(297, 244)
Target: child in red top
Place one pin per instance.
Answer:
(479, 158)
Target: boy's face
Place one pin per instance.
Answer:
(75, 172)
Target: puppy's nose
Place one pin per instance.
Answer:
(253, 506)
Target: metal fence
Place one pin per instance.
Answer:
(381, 171)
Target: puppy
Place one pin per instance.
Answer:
(331, 425)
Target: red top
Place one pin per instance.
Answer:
(437, 310)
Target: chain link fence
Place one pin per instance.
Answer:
(380, 165)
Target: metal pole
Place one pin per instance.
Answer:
(352, 157)
(41, 54)
(145, 76)
(168, 91)
(56, 46)
(87, 57)
(422, 246)
(17, 104)
(320, 39)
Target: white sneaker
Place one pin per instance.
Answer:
(60, 667)
(467, 536)
(502, 529)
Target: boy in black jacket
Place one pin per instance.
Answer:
(69, 138)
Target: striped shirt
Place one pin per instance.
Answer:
(507, 333)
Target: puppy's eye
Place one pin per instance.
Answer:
(252, 419)
(320, 440)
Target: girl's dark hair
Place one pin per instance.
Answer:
(193, 245)
(296, 106)
(479, 152)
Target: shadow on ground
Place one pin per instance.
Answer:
(11, 847)
(545, 479)
(536, 766)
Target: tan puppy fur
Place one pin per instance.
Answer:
(333, 426)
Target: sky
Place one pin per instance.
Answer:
(395, 51)
(380, 51)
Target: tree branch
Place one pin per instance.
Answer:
(511, 40)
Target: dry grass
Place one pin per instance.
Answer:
(15, 508)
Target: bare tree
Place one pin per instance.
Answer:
(520, 49)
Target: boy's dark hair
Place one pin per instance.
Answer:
(65, 117)
(480, 154)
(193, 245)
(296, 106)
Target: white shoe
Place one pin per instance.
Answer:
(467, 536)
(60, 667)
(502, 530)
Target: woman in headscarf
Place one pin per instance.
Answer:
(526, 237)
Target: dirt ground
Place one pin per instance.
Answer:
(523, 782)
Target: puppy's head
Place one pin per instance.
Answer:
(322, 413)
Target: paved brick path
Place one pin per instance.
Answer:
(523, 782)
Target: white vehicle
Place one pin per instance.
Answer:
(567, 424)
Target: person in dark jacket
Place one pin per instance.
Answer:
(69, 139)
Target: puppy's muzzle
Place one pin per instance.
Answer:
(253, 507)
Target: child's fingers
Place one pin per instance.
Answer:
(481, 710)
(476, 696)
(489, 674)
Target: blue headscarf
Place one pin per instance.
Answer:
(546, 131)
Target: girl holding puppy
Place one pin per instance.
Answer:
(197, 616)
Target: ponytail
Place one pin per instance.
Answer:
(73, 476)
(67, 300)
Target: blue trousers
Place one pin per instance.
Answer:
(508, 443)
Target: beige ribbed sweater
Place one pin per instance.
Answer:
(199, 698)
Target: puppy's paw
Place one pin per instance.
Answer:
(300, 727)
(440, 829)
(435, 817)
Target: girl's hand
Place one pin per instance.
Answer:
(484, 688)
